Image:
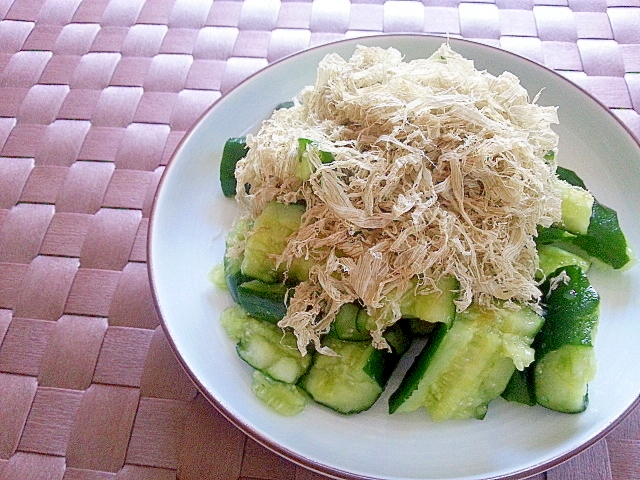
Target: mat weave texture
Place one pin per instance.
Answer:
(94, 97)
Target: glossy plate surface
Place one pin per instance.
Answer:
(186, 238)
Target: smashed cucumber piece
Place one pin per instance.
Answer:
(434, 307)
(265, 301)
(595, 226)
(352, 380)
(265, 346)
(463, 368)
(561, 378)
(234, 149)
(306, 166)
(232, 320)
(232, 271)
(552, 257)
(285, 398)
(565, 355)
(421, 311)
(267, 240)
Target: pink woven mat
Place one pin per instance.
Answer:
(94, 97)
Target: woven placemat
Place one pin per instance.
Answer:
(94, 97)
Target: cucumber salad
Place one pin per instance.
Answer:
(399, 207)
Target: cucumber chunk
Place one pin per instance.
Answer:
(267, 240)
(285, 398)
(234, 149)
(562, 376)
(232, 266)
(604, 239)
(345, 324)
(596, 227)
(351, 381)
(520, 388)
(306, 167)
(217, 277)
(267, 348)
(462, 368)
(552, 257)
(232, 320)
(265, 301)
(286, 104)
(577, 204)
(565, 362)
(572, 310)
(422, 312)
(434, 307)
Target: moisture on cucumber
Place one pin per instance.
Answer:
(462, 368)
(285, 398)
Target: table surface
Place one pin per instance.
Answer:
(94, 97)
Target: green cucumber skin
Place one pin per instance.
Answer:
(286, 104)
(345, 324)
(285, 398)
(352, 381)
(416, 371)
(552, 257)
(520, 388)
(553, 235)
(234, 277)
(380, 366)
(267, 348)
(604, 239)
(399, 336)
(572, 312)
(265, 301)
(267, 239)
(234, 149)
(565, 361)
(570, 177)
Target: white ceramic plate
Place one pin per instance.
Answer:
(186, 238)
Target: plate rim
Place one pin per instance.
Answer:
(258, 436)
